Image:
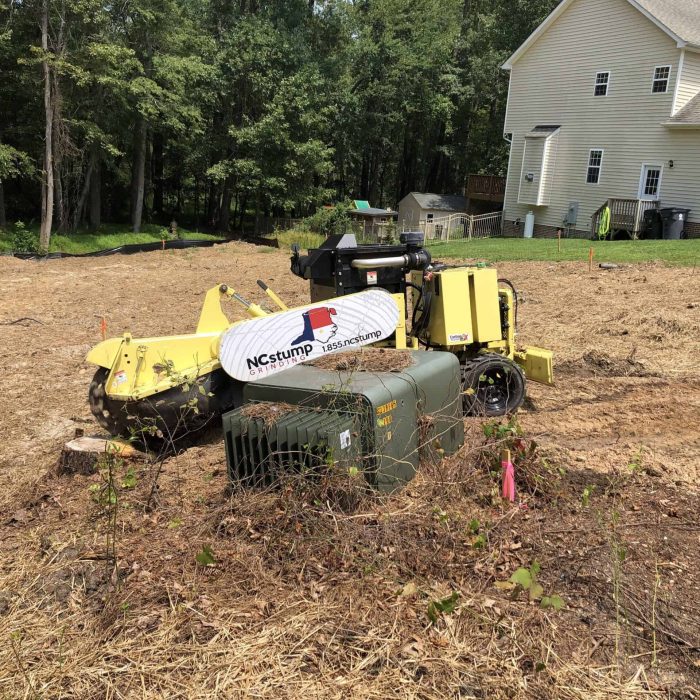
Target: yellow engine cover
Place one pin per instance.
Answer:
(465, 306)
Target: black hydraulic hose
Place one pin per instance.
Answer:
(515, 297)
(427, 299)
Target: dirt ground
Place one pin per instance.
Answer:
(306, 596)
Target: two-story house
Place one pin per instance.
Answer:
(604, 104)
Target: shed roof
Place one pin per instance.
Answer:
(441, 202)
(687, 117)
(374, 211)
(680, 19)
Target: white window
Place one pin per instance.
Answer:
(595, 163)
(429, 217)
(650, 181)
(662, 77)
(602, 82)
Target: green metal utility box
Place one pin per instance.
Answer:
(383, 423)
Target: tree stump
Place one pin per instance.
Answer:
(83, 454)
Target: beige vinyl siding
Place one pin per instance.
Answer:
(552, 83)
(532, 164)
(409, 212)
(549, 168)
(539, 160)
(688, 80)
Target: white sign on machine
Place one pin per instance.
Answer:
(267, 345)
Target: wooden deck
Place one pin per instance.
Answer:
(625, 215)
(490, 188)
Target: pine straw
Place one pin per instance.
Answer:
(365, 360)
(270, 412)
(312, 594)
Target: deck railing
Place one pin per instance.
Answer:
(490, 187)
(625, 215)
(461, 226)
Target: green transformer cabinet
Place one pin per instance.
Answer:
(382, 423)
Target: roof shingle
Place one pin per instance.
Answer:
(682, 17)
(689, 115)
(441, 202)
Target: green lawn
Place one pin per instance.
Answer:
(107, 236)
(499, 249)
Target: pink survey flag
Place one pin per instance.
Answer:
(508, 476)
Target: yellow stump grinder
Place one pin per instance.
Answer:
(389, 296)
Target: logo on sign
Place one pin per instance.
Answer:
(262, 346)
(318, 325)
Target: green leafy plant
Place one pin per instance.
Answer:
(499, 431)
(206, 556)
(525, 580)
(444, 606)
(23, 240)
(329, 220)
(440, 515)
(636, 464)
(129, 481)
(586, 495)
(479, 542)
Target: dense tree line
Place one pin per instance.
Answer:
(205, 110)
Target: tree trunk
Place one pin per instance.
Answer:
(158, 174)
(257, 213)
(225, 218)
(138, 182)
(241, 213)
(47, 183)
(84, 192)
(196, 203)
(3, 219)
(95, 212)
(364, 175)
(211, 204)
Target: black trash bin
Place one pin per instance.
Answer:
(651, 228)
(673, 221)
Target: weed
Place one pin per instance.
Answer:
(525, 580)
(586, 495)
(534, 474)
(129, 481)
(206, 556)
(444, 606)
(23, 240)
(479, 542)
(636, 464)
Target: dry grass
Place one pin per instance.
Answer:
(311, 593)
(270, 412)
(365, 360)
(304, 596)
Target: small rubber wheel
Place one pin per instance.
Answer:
(492, 385)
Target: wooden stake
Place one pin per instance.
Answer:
(590, 259)
(103, 328)
(559, 241)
